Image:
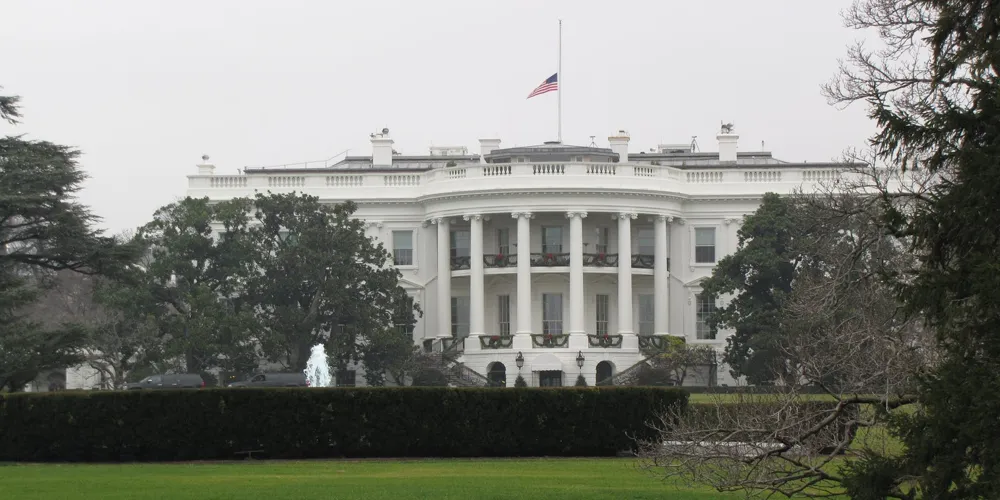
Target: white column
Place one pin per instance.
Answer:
(523, 272)
(625, 272)
(660, 277)
(444, 277)
(477, 321)
(576, 273)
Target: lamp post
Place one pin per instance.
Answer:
(519, 360)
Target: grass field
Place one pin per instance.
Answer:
(433, 479)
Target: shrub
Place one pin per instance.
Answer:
(519, 382)
(303, 423)
(580, 381)
(430, 377)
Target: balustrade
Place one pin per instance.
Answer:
(547, 340)
(604, 340)
(496, 341)
(549, 259)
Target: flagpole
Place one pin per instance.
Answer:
(559, 89)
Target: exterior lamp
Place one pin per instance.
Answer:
(580, 359)
(519, 360)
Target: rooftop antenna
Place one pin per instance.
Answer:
(762, 146)
(694, 144)
(592, 143)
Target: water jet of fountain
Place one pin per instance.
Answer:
(317, 370)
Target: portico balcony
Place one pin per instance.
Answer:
(539, 259)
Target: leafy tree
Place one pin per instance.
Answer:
(759, 276)
(315, 277)
(197, 281)
(43, 229)
(932, 87)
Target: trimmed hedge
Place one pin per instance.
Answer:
(325, 423)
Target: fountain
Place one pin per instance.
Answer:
(317, 370)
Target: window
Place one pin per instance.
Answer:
(404, 326)
(705, 308)
(704, 245)
(603, 235)
(503, 314)
(552, 239)
(503, 241)
(460, 240)
(402, 248)
(459, 317)
(647, 310)
(646, 240)
(346, 378)
(552, 311)
(550, 378)
(602, 315)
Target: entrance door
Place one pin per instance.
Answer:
(550, 378)
(497, 375)
(604, 373)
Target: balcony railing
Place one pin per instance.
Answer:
(653, 342)
(549, 259)
(460, 263)
(605, 340)
(600, 260)
(371, 184)
(500, 260)
(496, 341)
(540, 259)
(641, 261)
(549, 339)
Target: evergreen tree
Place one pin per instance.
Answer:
(43, 229)
(933, 89)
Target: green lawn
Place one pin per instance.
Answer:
(435, 479)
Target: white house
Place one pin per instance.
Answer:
(554, 254)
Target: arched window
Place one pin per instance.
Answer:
(497, 374)
(605, 370)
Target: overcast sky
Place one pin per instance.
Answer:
(144, 88)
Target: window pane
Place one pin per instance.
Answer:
(503, 241)
(703, 255)
(552, 313)
(646, 312)
(704, 236)
(460, 317)
(602, 315)
(704, 250)
(460, 243)
(705, 308)
(647, 241)
(552, 239)
(402, 248)
(503, 313)
(603, 234)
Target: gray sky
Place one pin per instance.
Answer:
(144, 88)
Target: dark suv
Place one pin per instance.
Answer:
(274, 380)
(175, 381)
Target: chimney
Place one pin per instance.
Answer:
(727, 143)
(381, 149)
(486, 146)
(205, 168)
(619, 144)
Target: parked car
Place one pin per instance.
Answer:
(274, 380)
(173, 381)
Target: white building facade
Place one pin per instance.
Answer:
(551, 256)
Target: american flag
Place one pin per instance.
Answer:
(551, 83)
